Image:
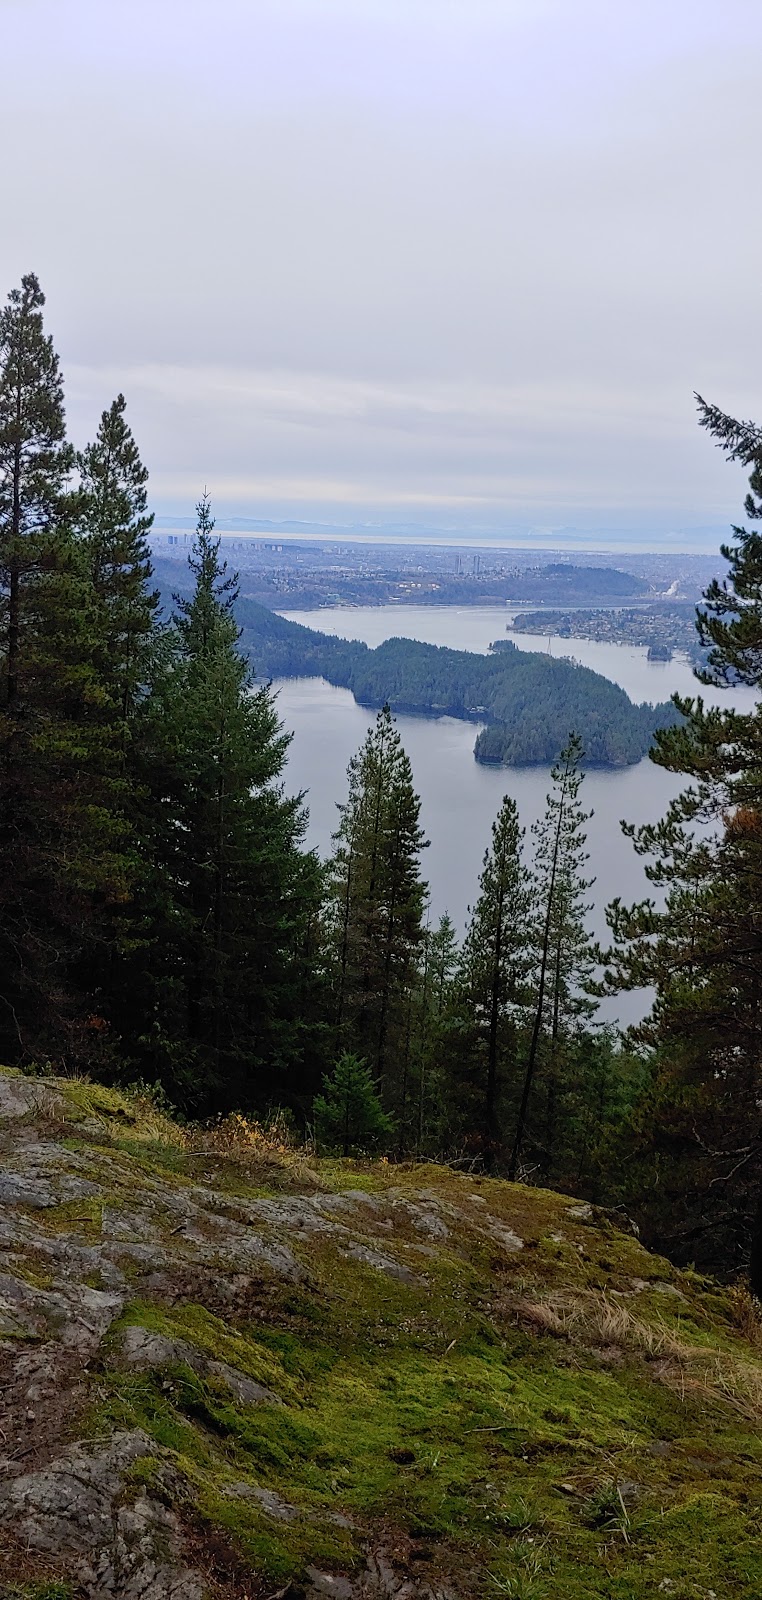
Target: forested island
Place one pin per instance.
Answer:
(529, 701)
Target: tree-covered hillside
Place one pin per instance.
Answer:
(529, 701)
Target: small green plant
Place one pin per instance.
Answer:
(605, 1509)
(348, 1114)
(55, 1590)
(154, 1094)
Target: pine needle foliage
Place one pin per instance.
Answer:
(697, 1142)
(377, 899)
(348, 1115)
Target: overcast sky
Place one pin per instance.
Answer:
(457, 263)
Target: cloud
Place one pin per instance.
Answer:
(276, 441)
(397, 254)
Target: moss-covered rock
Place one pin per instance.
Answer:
(231, 1370)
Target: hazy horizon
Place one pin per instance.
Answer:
(445, 267)
(544, 541)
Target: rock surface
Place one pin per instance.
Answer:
(230, 1373)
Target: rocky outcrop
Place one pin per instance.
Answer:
(232, 1371)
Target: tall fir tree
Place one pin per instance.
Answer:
(493, 977)
(563, 948)
(112, 514)
(438, 966)
(56, 840)
(109, 515)
(696, 1144)
(377, 903)
(35, 461)
(234, 897)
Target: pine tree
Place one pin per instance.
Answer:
(109, 516)
(494, 969)
(348, 1113)
(113, 517)
(377, 901)
(697, 1133)
(35, 461)
(564, 950)
(234, 895)
(438, 966)
(54, 835)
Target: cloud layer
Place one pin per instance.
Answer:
(463, 264)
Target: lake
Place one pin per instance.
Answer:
(460, 797)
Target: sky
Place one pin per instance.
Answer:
(450, 264)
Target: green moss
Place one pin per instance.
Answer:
(589, 1460)
(34, 1270)
(466, 1447)
(145, 1473)
(53, 1590)
(75, 1216)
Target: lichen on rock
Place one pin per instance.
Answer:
(371, 1381)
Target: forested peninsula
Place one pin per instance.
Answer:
(527, 701)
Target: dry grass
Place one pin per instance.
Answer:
(747, 1314)
(254, 1144)
(595, 1320)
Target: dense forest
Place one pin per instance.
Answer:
(163, 925)
(529, 701)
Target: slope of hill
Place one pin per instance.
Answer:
(530, 702)
(230, 1369)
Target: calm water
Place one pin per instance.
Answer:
(459, 797)
(475, 627)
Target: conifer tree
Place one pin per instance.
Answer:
(34, 464)
(564, 950)
(348, 1114)
(697, 1130)
(53, 832)
(438, 966)
(238, 893)
(115, 523)
(377, 901)
(109, 517)
(494, 970)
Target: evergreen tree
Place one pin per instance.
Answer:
(34, 464)
(437, 971)
(494, 970)
(111, 522)
(377, 901)
(564, 951)
(348, 1114)
(234, 897)
(56, 841)
(697, 1141)
(113, 517)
